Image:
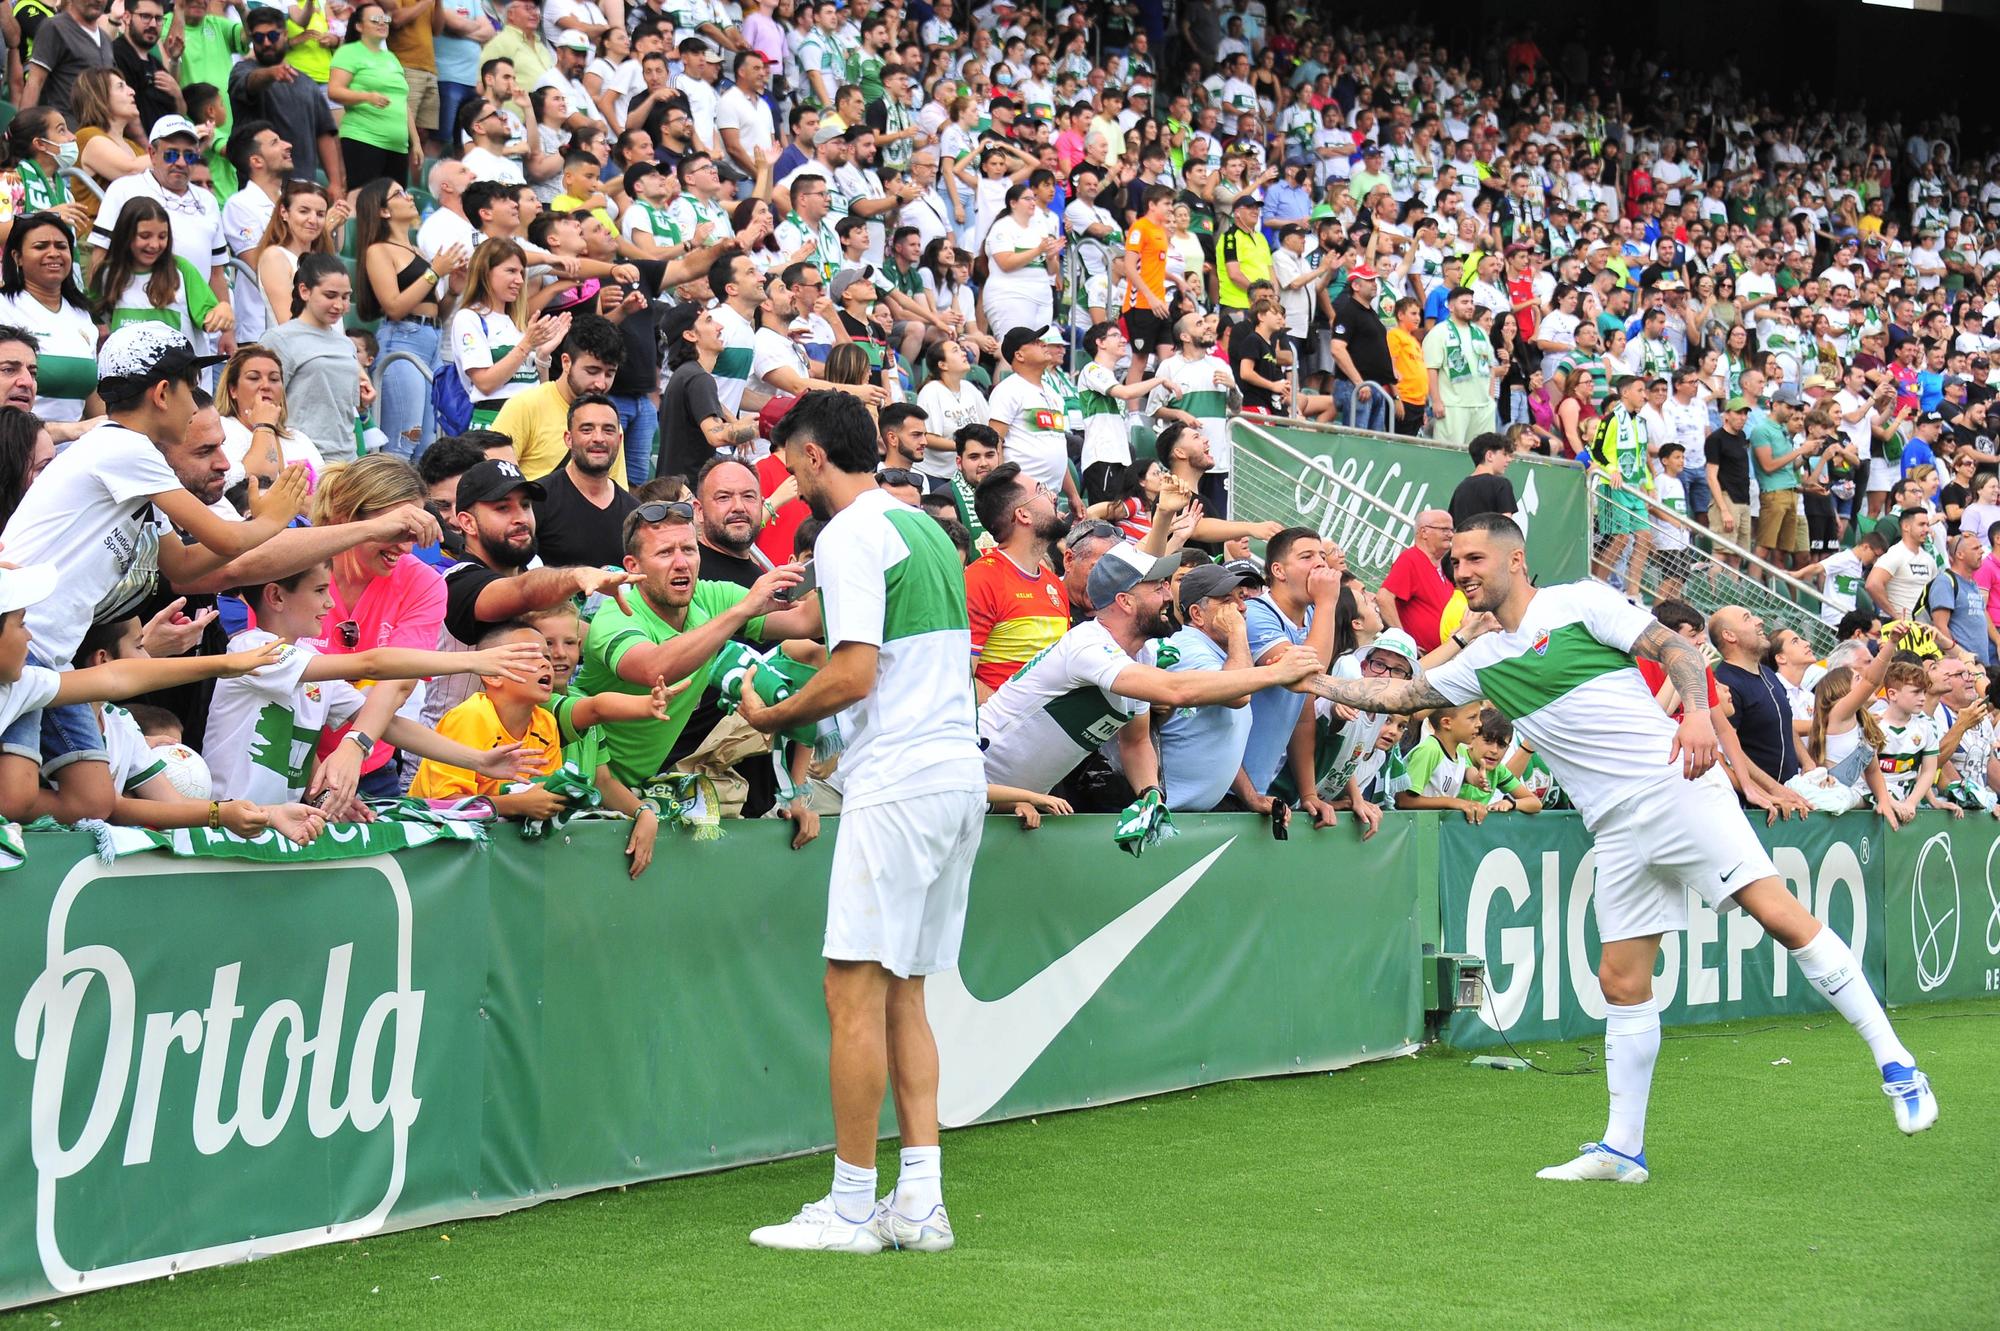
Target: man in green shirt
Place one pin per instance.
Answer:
(1779, 524)
(208, 45)
(675, 628)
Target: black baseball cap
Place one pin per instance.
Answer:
(494, 479)
(1206, 580)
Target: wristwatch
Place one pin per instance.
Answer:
(364, 739)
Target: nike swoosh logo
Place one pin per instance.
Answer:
(986, 1046)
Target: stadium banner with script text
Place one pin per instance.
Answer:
(1941, 909)
(218, 1059)
(1409, 476)
(1517, 890)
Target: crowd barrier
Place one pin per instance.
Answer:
(215, 1059)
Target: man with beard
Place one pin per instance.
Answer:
(904, 432)
(537, 419)
(1016, 606)
(266, 88)
(92, 514)
(1661, 813)
(495, 517)
(673, 629)
(581, 515)
(1090, 688)
(730, 504)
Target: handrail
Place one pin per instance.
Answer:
(1245, 423)
(72, 173)
(1659, 511)
(382, 363)
(1346, 510)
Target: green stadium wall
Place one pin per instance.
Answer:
(459, 1030)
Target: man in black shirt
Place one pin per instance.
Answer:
(1487, 489)
(635, 388)
(1361, 354)
(496, 517)
(695, 428)
(1763, 716)
(581, 517)
(153, 89)
(1728, 451)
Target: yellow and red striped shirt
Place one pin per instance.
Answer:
(1014, 615)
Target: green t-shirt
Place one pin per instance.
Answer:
(212, 47)
(385, 127)
(1769, 434)
(636, 750)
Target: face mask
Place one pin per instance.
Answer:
(66, 154)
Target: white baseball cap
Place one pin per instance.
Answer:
(26, 586)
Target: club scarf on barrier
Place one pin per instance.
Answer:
(399, 825)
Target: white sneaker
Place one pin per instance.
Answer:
(1598, 1163)
(931, 1233)
(1909, 1091)
(819, 1228)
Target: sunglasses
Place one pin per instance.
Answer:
(898, 476)
(661, 510)
(180, 156)
(1079, 534)
(350, 634)
(268, 35)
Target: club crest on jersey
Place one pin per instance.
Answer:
(1540, 646)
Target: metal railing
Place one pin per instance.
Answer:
(1694, 574)
(1369, 531)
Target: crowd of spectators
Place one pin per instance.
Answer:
(443, 352)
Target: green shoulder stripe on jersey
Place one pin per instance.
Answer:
(1522, 685)
(924, 590)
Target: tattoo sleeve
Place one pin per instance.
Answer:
(1377, 695)
(1684, 665)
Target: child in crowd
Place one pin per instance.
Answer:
(264, 728)
(161, 727)
(1672, 549)
(1489, 778)
(1439, 762)
(140, 279)
(144, 796)
(1844, 573)
(1844, 743)
(1908, 754)
(504, 711)
(1385, 773)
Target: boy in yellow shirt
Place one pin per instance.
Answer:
(502, 712)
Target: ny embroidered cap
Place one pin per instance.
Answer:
(25, 586)
(139, 355)
(1123, 567)
(167, 127)
(494, 479)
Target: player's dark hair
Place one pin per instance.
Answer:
(839, 423)
(1498, 526)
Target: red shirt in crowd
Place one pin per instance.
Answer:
(1421, 595)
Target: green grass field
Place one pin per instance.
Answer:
(1394, 1194)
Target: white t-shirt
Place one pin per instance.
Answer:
(84, 514)
(194, 216)
(443, 229)
(1910, 574)
(292, 447)
(1036, 421)
(1011, 237)
(772, 350)
(67, 369)
(244, 220)
(1056, 710)
(489, 165)
(1843, 577)
(582, 10)
(1566, 679)
(623, 81)
(263, 726)
(32, 691)
(133, 761)
(892, 579)
(1673, 497)
(946, 413)
(735, 363)
(750, 117)
(1903, 751)
(477, 342)
(702, 102)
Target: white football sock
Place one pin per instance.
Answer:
(1631, 1047)
(920, 1185)
(1830, 964)
(853, 1191)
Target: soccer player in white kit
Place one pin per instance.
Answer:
(913, 787)
(1664, 818)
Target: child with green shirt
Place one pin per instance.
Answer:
(1439, 763)
(1489, 778)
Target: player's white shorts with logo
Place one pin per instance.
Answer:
(901, 873)
(1654, 849)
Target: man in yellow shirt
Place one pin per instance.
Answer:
(537, 419)
(521, 42)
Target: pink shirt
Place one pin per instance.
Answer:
(1988, 578)
(405, 609)
(1069, 149)
(764, 37)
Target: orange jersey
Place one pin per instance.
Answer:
(1146, 245)
(1013, 615)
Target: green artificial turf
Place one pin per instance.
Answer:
(1396, 1194)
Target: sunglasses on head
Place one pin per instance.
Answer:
(898, 476)
(661, 509)
(1084, 531)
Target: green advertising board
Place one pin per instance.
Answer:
(1941, 909)
(1517, 891)
(216, 1060)
(1383, 476)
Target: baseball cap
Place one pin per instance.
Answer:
(1787, 394)
(494, 479)
(1206, 580)
(573, 40)
(1737, 404)
(1361, 270)
(772, 412)
(827, 134)
(1011, 345)
(1246, 200)
(139, 355)
(167, 127)
(26, 586)
(850, 277)
(1930, 418)
(1252, 571)
(1397, 643)
(1123, 567)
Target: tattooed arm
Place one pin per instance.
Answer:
(1376, 695)
(1695, 742)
